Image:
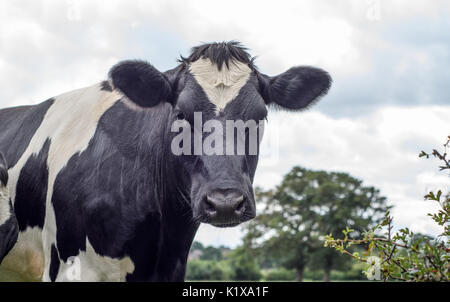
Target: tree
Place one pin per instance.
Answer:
(208, 270)
(306, 206)
(197, 246)
(212, 253)
(244, 265)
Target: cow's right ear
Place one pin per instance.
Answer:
(142, 83)
(295, 89)
(3, 171)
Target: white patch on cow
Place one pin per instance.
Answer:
(221, 86)
(70, 123)
(88, 266)
(5, 211)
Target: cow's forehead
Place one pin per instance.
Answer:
(221, 86)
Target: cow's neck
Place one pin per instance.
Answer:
(161, 246)
(178, 227)
(179, 232)
(163, 236)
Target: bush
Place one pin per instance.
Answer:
(244, 266)
(247, 272)
(208, 270)
(313, 275)
(280, 274)
(355, 273)
(221, 271)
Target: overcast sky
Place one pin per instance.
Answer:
(390, 62)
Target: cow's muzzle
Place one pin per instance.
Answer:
(226, 208)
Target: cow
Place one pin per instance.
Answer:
(97, 190)
(9, 230)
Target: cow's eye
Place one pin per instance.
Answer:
(181, 116)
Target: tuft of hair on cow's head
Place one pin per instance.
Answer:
(3, 171)
(220, 53)
(218, 83)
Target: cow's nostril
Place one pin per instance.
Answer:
(209, 206)
(240, 205)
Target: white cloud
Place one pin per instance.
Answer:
(296, 32)
(381, 148)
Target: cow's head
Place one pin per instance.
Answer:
(218, 84)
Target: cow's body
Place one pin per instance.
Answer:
(80, 164)
(97, 192)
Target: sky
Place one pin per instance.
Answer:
(389, 60)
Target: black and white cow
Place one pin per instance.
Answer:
(94, 181)
(9, 229)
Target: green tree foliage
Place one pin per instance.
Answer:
(212, 253)
(209, 252)
(221, 263)
(208, 270)
(244, 265)
(306, 206)
(404, 255)
(197, 246)
(280, 274)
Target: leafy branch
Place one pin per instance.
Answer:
(405, 256)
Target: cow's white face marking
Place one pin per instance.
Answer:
(5, 211)
(221, 86)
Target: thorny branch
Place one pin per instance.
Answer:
(405, 257)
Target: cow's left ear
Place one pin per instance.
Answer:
(142, 83)
(296, 88)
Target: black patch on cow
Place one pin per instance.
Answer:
(9, 231)
(145, 251)
(106, 86)
(3, 177)
(54, 263)
(17, 127)
(31, 190)
(3, 170)
(141, 83)
(220, 53)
